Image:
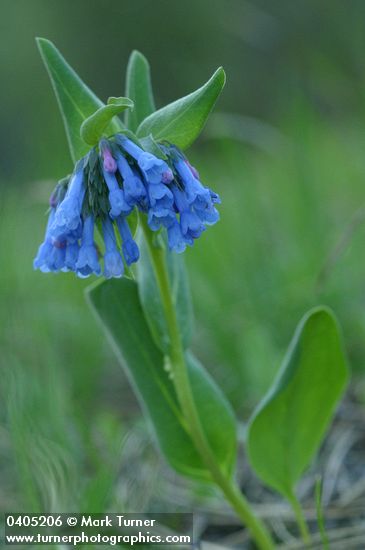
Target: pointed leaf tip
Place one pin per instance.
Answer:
(75, 100)
(182, 121)
(39, 40)
(136, 54)
(221, 73)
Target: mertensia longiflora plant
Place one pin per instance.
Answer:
(130, 206)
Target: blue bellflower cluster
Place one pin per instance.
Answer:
(106, 186)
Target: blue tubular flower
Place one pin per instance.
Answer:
(71, 257)
(160, 218)
(69, 236)
(88, 262)
(41, 261)
(155, 170)
(134, 189)
(51, 253)
(117, 199)
(67, 218)
(196, 194)
(113, 262)
(129, 246)
(199, 197)
(175, 238)
(191, 226)
(161, 212)
(160, 196)
(208, 215)
(57, 256)
(190, 223)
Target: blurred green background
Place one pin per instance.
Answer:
(285, 149)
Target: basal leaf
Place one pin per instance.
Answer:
(289, 425)
(139, 89)
(117, 306)
(76, 101)
(149, 295)
(181, 122)
(94, 126)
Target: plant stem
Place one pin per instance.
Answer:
(301, 521)
(187, 402)
(320, 517)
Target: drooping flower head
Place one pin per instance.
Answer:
(113, 179)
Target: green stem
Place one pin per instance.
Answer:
(320, 517)
(187, 402)
(301, 521)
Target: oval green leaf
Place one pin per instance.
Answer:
(289, 425)
(181, 122)
(117, 306)
(92, 129)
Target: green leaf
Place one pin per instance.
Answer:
(94, 126)
(290, 423)
(139, 89)
(181, 122)
(76, 101)
(117, 306)
(149, 295)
